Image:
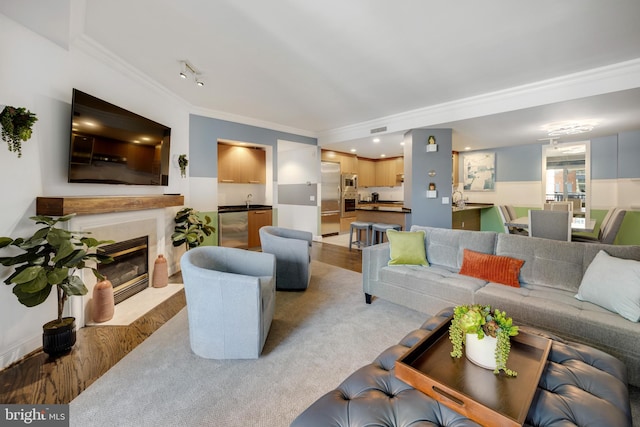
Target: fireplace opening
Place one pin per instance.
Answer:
(129, 271)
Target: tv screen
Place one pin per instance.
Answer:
(111, 145)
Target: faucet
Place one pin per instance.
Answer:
(249, 196)
(460, 201)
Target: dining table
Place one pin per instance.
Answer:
(577, 223)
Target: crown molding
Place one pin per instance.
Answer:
(597, 81)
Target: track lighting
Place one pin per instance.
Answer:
(187, 69)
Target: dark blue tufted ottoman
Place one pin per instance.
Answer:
(580, 386)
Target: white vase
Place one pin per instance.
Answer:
(481, 352)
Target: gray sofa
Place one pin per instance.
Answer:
(549, 281)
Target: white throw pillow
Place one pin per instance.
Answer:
(613, 283)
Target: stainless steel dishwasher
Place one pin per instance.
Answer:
(233, 229)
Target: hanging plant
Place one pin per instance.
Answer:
(16, 127)
(183, 162)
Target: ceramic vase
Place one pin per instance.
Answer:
(481, 352)
(160, 273)
(103, 304)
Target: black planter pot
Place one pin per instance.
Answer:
(59, 337)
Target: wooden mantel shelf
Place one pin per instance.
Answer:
(84, 205)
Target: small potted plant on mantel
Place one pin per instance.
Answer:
(50, 258)
(486, 334)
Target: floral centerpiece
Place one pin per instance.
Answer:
(483, 321)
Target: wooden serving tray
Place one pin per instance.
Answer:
(475, 392)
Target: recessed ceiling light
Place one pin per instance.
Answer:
(376, 139)
(353, 150)
(467, 148)
(383, 155)
(402, 143)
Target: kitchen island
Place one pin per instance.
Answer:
(383, 214)
(468, 217)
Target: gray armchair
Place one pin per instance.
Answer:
(292, 249)
(230, 300)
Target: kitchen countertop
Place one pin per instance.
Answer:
(243, 208)
(399, 209)
(471, 206)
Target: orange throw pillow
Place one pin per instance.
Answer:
(493, 268)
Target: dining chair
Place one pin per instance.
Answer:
(608, 229)
(550, 224)
(507, 214)
(558, 206)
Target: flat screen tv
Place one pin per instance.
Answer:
(111, 145)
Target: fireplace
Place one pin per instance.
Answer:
(129, 271)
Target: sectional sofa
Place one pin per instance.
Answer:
(544, 295)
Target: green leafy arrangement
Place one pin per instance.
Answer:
(16, 127)
(190, 229)
(50, 258)
(483, 320)
(183, 162)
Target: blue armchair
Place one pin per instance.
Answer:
(230, 300)
(292, 249)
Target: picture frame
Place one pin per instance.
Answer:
(479, 172)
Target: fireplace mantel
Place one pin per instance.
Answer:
(85, 205)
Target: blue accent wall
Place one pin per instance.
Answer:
(612, 157)
(431, 212)
(629, 154)
(604, 157)
(204, 133)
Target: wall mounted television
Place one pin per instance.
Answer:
(110, 145)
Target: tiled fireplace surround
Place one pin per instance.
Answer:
(119, 227)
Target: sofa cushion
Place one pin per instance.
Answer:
(407, 247)
(446, 247)
(620, 295)
(493, 268)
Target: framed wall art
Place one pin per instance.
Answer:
(479, 171)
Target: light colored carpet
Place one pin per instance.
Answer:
(318, 337)
(129, 310)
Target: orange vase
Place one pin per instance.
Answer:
(160, 272)
(103, 305)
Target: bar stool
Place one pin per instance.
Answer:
(379, 230)
(359, 227)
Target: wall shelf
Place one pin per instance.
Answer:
(86, 205)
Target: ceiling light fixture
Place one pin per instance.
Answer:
(188, 68)
(569, 127)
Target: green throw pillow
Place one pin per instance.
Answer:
(407, 247)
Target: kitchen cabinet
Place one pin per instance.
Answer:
(257, 219)
(348, 162)
(345, 223)
(386, 173)
(236, 164)
(366, 172)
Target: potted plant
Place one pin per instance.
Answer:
(481, 322)
(190, 228)
(16, 127)
(182, 163)
(50, 258)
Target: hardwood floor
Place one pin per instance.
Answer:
(38, 379)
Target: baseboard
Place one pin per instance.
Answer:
(19, 351)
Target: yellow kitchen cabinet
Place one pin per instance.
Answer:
(236, 164)
(348, 162)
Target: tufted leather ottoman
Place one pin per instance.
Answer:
(579, 386)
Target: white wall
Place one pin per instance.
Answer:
(298, 164)
(39, 75)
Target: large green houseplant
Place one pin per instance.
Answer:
(190, 229)
(484, 321)
(50, 258)
(16, 126)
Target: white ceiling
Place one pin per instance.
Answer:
(320, 67)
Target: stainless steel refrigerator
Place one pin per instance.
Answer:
(330, 198)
